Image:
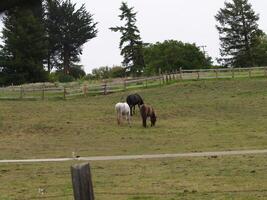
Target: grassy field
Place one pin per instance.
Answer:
(193, 116)
(220, 178)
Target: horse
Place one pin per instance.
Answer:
(132, 100)
(147, 111)
(122, 109)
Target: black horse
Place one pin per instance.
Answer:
(134, 99)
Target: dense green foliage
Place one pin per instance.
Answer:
(24, 47)
(238, 31)
(107, 72)
(131, 44)
(68, 29)
(37, 36)
(9, 4)
(170, 55)
(259, 51)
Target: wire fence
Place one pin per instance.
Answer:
(54, 186)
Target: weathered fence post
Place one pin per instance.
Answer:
(85, 90)
(105, 88)
(64, 92)
(21, 92)
(216, 71)
(163, 81)
(233, 73)
(82, 182)
(43, 91)
(166, 77)
(198, 76)
(146, 82)
(124, 85)
(249, 72)
(181, 73)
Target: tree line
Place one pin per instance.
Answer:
(45, 40)
(38, 39)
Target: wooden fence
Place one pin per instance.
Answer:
(64, 91)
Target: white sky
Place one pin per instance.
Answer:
(158, 20)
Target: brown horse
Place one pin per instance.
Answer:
(147, 111)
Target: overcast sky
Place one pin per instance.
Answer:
(158, 20)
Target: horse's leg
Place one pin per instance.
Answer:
(131, 108)
(144, 121)
(118, 118)
(134, 109)
(128, 119)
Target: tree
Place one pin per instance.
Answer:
(24, 47)
(10, 4)
(68, 29)
(238, 29)
(170, 55)
(131, 44)
(117, 72)
(101, 73)
(259, 51)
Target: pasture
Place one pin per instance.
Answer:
(193, 116)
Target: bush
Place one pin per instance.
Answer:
(53, 77)
(64, 78)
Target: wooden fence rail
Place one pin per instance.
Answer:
(45, 91)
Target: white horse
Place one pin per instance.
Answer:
(123, 109)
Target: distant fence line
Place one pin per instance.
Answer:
(51, 90)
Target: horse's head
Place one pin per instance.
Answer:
(141, 101)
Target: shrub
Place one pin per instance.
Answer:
(64, 78)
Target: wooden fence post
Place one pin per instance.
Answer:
(124, 85)
(85, 90)
(146, 82)
(105, 88)
(64, 92)
(82, 182)
(21, 92)
(181, 73)
(233, 73)
(198, 76)
(249, 72)
(216, 71)
(43, 91)
(166, 77)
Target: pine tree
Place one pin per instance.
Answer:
(131, 44)
(68, 29)
(10, 4)
(238, 29)
(24, 47)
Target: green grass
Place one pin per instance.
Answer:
(234, 177)
(192, 116)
